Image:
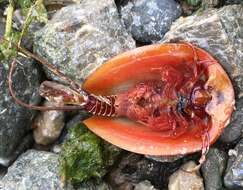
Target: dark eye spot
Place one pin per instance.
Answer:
(156, 112)
(182, 104)
(158, 89)
(141, 102)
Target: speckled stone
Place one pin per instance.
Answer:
(233, 178)
(219, 31)
(80, 38)
(148, 21)
(16, 120)
(213, 168)
(39, 170)
(33, 170)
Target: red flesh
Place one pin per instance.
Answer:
(174, 104)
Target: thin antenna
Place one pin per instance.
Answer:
(40, 108)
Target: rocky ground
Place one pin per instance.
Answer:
(80, 36)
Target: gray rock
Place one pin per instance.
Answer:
(228, 2)
(48, 125)
(33, 170)
(148, 21)
(94, 185)
(134, 168)
(75, 120)
(3, 171)
(80, 38)
(233, 178)
(16, 120)
(165, 158)
(39, 170)
(220, 33)
(183, 180)
(213, 168)
(210, 3)
(144, 185)
(234, 130)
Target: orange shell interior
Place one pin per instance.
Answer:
(125, 70)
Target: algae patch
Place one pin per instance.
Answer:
(85, 156)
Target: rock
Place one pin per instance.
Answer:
(219, 32)
(213, 168)
(93, 185)
(80, 38)
(210, 3)
(233, 178)
(75, 120)
(228, 2)
(134, 168)
(53, 5)
(189, 6)
(183, 180)
(234, 130)
(40, 170)
(165, 158)
(16, 120)
(33, 170)
(148, 21)
(48, 125)
(144, 185)
(3, 171)
(193, 2)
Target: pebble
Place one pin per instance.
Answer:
(233, 178)
(213, 169)
(48, 125)
(183, 180)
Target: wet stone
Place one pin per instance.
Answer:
(48, 125)
(16, 120)
(213, 168)
(134, 168)
(80, 38)
(233, 178)
(183, 180)
(148, 21)
(218, 31)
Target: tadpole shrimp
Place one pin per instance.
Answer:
(164, 103)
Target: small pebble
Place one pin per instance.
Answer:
(183, 180)
(48, 125)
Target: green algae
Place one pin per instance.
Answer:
(85, 156)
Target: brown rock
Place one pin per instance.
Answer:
(48, 125)
(184, 180)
